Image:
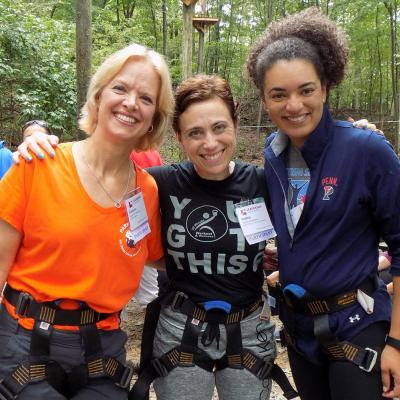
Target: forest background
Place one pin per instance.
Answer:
(38, 56)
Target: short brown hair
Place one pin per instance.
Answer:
(200, 88)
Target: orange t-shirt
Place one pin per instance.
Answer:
(72, 248)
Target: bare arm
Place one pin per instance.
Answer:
(159, 264)
(9, 245)
(390, 362)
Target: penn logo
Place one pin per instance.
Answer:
(328, 183)
(328, 192)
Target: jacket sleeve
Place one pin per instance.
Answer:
(383, 183)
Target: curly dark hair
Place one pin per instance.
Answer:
(309, 35)
(200, 88)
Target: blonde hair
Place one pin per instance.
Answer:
(105, 73)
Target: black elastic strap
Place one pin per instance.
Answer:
(40, 339)
(153, 310)
(278, 375)
(91, 341)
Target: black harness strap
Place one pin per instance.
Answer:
(187, 354)
(239, 358)
(26, 306)
(38, 366)
(366, 359)
(97, 365)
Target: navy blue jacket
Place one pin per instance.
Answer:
(353, 199)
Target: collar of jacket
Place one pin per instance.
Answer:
(314, 145)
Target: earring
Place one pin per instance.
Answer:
(151, 129)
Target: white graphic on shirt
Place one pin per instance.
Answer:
(328, 190)
(207, 224)
(355, 318)
(126, 242)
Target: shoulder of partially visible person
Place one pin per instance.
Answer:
(146, 159)
(15, 187)
(6, 159)
(3, 147)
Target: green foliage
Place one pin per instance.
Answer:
(37, 77)
(37, 42)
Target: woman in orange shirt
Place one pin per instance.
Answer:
(59, 322)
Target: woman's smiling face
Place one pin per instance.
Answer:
(208, 137)
(294, 98)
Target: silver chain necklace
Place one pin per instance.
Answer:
(117, 203)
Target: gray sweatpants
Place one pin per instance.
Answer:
(66, 348)
(195, 383)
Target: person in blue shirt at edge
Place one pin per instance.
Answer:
(6, 159)
(336, 314)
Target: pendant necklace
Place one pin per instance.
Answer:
(117, 203)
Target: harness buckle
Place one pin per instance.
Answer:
(5, 393)
(178, 300)
(369, 360)
(22, 304)
(126, 377)
(159, 367)
(265, 370)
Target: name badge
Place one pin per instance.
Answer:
(137, 216)
(254, 220)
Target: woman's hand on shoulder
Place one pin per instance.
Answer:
(38, 142)
(364, 124)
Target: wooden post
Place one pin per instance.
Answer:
(201, 23)
(188, 9)
(200, 55)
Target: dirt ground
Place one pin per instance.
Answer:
(133, 326)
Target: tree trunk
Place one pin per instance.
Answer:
(261, 104)
(187, 41)
(164, 26)
(392, 10)
(83, 51)
(200, 59)
(379, 63)
(53, 10)
(153, 19)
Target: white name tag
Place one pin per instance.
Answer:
(137, 217)
(255, 221)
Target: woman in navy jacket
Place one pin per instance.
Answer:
(334, 192)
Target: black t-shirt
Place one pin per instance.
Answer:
(207, 255)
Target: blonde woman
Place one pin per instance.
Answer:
(67, 250)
